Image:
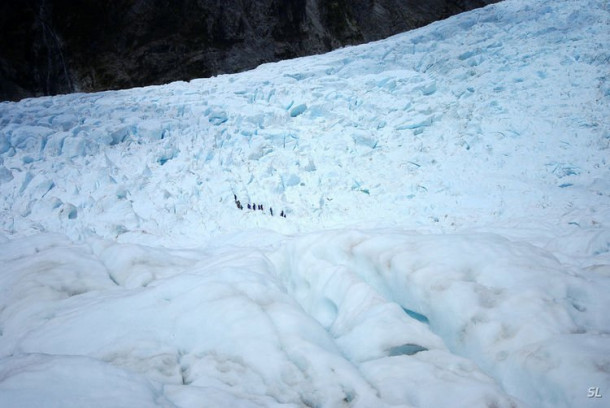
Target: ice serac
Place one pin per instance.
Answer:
(58, 46)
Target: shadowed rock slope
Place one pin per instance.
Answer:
(61, 46)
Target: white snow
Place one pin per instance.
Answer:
(446, 239)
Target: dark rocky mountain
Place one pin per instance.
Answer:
(60, 46)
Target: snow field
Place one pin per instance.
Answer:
(472, 121)
(446, 240)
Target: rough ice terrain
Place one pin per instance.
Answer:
(446, 239)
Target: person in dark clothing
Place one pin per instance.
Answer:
(271, 211)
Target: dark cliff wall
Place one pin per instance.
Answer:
(60, 46)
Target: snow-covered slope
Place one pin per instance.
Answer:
(446, 239)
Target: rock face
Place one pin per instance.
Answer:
(61, 46)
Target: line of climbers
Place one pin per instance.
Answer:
(255, 207)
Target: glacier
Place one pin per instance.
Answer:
(446, 239)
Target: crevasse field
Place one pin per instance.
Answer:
(446, 240)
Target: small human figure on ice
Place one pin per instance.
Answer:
(255, 207)
(237, 202)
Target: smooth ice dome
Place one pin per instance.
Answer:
(445, 239)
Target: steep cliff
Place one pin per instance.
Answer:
(60, 46)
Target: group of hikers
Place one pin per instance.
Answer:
(256, 207)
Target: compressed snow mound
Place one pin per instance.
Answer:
(314, 320)
(34, 380)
